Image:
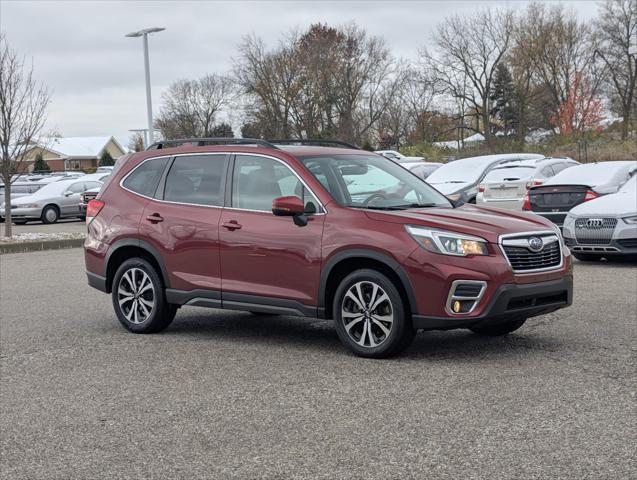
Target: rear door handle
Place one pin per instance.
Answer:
(231, 225)
(155, 218)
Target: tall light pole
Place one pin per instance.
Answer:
(149, 103)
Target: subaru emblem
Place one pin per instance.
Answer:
(536, 244)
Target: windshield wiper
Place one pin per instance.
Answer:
(402, 207)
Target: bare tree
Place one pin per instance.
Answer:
(466, 55)
(190, 107)
(136, 142)
(615, 29)
(23, 103)
(559, 48)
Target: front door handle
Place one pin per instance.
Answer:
(155, 218)
(232, 225)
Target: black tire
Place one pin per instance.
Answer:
(401, 332)
(1, 219)
(500, 328)
(141, 319)
(50, 214)
(20, 222)
(588, 257)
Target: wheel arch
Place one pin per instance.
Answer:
(126, 248)
(345, 262)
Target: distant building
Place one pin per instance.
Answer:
(72, 153)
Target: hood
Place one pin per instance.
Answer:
(488, 223)
(449, 188)
(620, 204)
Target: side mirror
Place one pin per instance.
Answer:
(288, 206)
(291, 206)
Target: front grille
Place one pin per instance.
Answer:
(522, 259)
(594, 231)
(628, 242)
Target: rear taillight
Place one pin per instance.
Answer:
(590, 195)
(481, 188)
(533, 183)
(526, 204)
(92, 209)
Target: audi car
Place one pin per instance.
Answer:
(605, 227)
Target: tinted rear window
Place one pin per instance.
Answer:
(145, 178)
(196, 179)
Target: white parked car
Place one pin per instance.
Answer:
(604, 227)
(506, 185)
(104, 169)
(459, 180)
(416, 165)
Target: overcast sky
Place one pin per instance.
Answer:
(96, 75)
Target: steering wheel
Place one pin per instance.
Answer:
(375, 196)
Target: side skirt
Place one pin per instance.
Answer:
(240, 301)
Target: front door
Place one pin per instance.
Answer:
(267, 259)
(183, 221)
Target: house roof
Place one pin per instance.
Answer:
(77, 147)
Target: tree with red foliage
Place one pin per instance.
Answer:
(582, 109)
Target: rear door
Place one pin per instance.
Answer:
(267, 259)
(182, 222)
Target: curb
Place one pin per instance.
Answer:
(38, 245)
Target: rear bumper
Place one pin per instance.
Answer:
(97, 281)
(509, 302)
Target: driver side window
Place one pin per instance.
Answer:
(257, 181)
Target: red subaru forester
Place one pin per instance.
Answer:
(298, 228)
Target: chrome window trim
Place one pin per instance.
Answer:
(236, 154)
(476, 300)
(121, 182)
(528, 234)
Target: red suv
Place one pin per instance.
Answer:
(297, 228)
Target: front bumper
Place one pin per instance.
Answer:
(509, 302)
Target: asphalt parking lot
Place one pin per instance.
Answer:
(233, 395)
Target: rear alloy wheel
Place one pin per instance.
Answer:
(50, 214)
(500, 328)
(370, 316)
(139, 299)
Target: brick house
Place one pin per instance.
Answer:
(72, 153)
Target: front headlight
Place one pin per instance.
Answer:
(632, 220)
(447, 243)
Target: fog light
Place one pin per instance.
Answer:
(457, 306)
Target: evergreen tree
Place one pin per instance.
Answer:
(223, 130)
(39, 165)
(503, 100)
(106, 160)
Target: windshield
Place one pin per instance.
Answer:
(459, 171)
(630, 186)
(371, 181)
(509, 174)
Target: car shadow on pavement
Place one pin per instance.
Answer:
(316, 334)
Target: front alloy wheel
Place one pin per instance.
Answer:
(370, 315)
(367, 314)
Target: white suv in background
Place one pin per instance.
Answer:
(506, 185)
